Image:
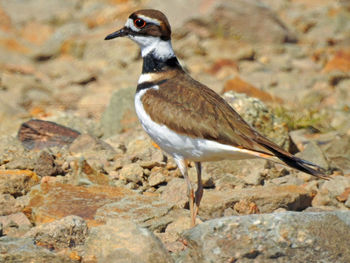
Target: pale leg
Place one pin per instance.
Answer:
(182, 164)
(199, 191)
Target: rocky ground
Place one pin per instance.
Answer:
(96, 189)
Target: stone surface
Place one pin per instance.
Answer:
(259, 116)
(124, 241)
(285, 237)
(17, 182)
(146, 211)
(8, 205)
(267, 198)
(120, 113)
(176, 192)
(68, 232)
(53, 201)
(23, 250)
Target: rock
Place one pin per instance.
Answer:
(46, 165)
(314, 154)
(39, 134)
(18, 218)
(146, 211)
(267, 199)
(340, 62)
(240, 86)
(176, 193)
(337, 152)
(286, 237)
(95, 151)
(53, 201)
(17, 182)
(67, 232)
(228, 181)
(124, 241)
(53, 45)
(156, 179)
(131, 173)
(15, 225)
(259, 116)
(23, 250)
(13, 156)
(1, 230)
(330, 191)
(120, 113)
(8, 205)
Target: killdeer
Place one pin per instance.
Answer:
(185, 118)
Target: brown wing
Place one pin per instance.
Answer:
(188, 107)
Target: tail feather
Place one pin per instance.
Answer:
(298, 163)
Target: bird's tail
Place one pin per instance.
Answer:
(297, 163)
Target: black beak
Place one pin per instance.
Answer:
(120, 33)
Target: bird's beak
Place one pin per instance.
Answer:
(120, 33)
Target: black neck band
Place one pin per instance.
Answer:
(152, 64)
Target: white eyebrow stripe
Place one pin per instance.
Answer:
(150, 20)
(130, 24)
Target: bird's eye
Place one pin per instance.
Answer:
(139, 23)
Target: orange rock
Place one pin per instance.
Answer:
(221, 63)
(54, 201)
(238, 85)
(36, 33)
(17, 182)
(38, 111)
(340, 62)
(5, 21)
(155, 145)
(75, 256)
(246, 207)
(13, 45)
(344, 196)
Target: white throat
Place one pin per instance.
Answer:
(161, 49)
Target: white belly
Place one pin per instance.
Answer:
(183, 146)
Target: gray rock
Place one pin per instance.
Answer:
(277, 237)
(314, 154)
(23, 250)
(123, 241)
(8, 205)
(259, 116)
(68, 232)
(121, 107)
(131, 173)
(146, 211)
(175, 193)
(95, 151)
(52, 47)
(267, 199)
(46, 166)
(17, 218)
(14, 156)
(17, 183)
(156, 179)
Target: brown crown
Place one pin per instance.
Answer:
(163, 30)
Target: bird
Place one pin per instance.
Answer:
(185, 118)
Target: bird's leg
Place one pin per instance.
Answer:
(182, 164)
(199, 191)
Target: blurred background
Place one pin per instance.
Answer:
(292, 53)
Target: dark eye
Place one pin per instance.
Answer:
(139, 23)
